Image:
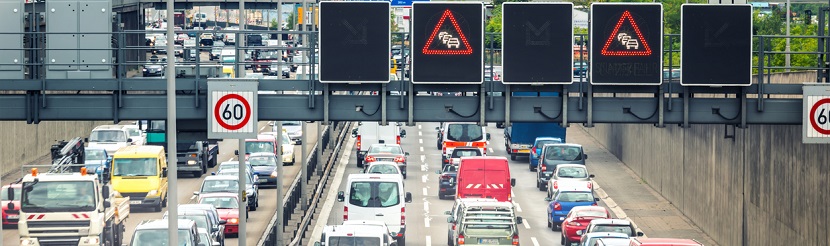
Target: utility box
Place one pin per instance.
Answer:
(11, 49)
(78, 40)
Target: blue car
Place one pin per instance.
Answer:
(536, 149)
(564, 200)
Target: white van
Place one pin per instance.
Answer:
(377, 197)
(368, 133)
(110, 138)
(357, 232)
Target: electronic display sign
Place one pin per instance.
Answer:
(447, 42)
(537, 44)
(626, 44)
(716, 45)
(354, 42)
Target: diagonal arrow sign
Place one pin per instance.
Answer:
(536, 39)
(358, 35)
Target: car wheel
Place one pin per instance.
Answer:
(359, 162)
(157, 208)
(402, 241)
(565, 241)
(541, 186)
(537, 185)
(512, 157)
(253, 207)
(197, 174)
(164, 202)
(549, 223)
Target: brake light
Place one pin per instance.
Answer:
(590, 184)
(574, 223)
(444, 150)
(403, 216)
(595, 204)
(460, 238)
(446, 160)
(370, 159)
(515, 239)
(345, 213)
(400, 159)
(555, 185)
(557, 206)
(358, 142)
(533, 149)
(544, 168)
(398, 139)
(444, 176)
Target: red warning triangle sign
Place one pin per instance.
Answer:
(448, 40)
(624, 43)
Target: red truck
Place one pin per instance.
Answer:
(485, 177)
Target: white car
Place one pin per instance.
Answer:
(138, 136)
(453, 42)
(632, 44)
(377, 197)
(110, 138)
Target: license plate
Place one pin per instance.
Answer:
(135, 202)
(488, 241)
(524, 151)
(14, 216)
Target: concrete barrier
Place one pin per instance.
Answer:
(26, 143)
(762, 188)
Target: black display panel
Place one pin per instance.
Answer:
(354, 42)
(537, 44)
(447, 43)
(716, 45)
(626, 44)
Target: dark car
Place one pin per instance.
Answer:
(204, 220)
(580, 69)
(155, 67)
(387, 152)
(555, 154)
(446, 182)
(265, 167)
(458, 152)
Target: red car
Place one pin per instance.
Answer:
(664, 242)
(578, 220)
(227, 204)
(10, 217)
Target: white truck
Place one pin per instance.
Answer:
(357, 232)
(70, 209)
(368, 133)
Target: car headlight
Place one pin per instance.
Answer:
(26, 241)
(191, 162)
(233, 221)
(92, 240)
(274, 174)
(152, 193)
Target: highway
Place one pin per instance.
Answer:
(187, 185)
(426, 222)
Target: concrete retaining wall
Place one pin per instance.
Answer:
(24, 143)
(706, 176)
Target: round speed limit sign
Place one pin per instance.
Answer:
(232, 112)
(819, 115)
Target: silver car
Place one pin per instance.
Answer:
(294, 129)
(569, 173)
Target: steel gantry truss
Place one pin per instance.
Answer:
(37, 98)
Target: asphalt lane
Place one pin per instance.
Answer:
(187, 185)
(426, 222)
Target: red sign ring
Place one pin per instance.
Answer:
(813, 119)
(222, 123)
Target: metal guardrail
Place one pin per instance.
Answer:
(292, 197)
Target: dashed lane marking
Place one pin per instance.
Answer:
(419, 127)
(429, 239)
(419, 133)
(518, 208)
(532, 239)
(425, 192)
(422, 148)
(492, 151)
(426, 223)
(421, 141)
(526, 224)
(423, 158)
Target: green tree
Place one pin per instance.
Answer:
(291, 21)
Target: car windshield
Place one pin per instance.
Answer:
(564, 153)
(201, 220)
(158, 237)
(383, 169)
(263, 161)
(228, 166)
(572, 172)
(547, 141)
(382, 149)
(134, 132)
(4, 194)
(451, 168)
(352, 241)
(108, 136)
(464, 132)
(374, 194)
(259, 146)
(575, 197)
(58, 196)
(234, 173)
(625, 229)
(465, 152)
(590, 213)
(484, 230)
(135, 167)
(95, 154)
(220, 185)
(221, 202)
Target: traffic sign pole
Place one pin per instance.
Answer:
(170, 133)
(280, 208)
(243, 217)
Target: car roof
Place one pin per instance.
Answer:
(385, 145)
(376, 176)
(563, 144)
(548, 138)
(219, 194)
(667, 241)
(615, 241)
(607, 234)
(162, 224)
(196, 206)
(384, 163)
(221, 177)
(261, 154)
(589, 208)
(610, 222)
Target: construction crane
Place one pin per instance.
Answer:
(67, 156)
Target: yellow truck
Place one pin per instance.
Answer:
(70, 209)
(140, 172)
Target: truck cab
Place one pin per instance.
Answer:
(357, 232)
(458, 134)
(110, 138)
(369, 133)
(140, 172)
(484, 177)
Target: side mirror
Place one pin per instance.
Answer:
(513, 182)
(547, 199)
(403, 133)
(519, 220)
(354, 132)
(317, 244)
(447, 212)
(584, 156)
(488, 136)
(437, 128)
(164, 172)
(195, 193)
(406, 153)
(596, 199)
(591, 176)
(86, 140)
(437, 171)
(640, 234)
(341, 196)
(212, 173)
(107, 204)
(271, 123)
(449, 220)
(222, 222)
(580, 232)
(408, 197)
(236, 152)
(105, 192)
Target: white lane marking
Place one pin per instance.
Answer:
(419, 133)
(421, 141)
(513, 195)
(423, 158)
(426, 221)
(193, 197)
(261, 128)
(429, 239)
(426, 208)
(527, 224)
(535, 242)
(422, 148)
(424, 178)
(230, 159)
(518, 208)
(492, 151)
(425, 191)
(419, 128)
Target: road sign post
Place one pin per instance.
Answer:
(626, 44)
(716, 45)
(816, 120)
(534, 29)
(354, 42)
(447, 42)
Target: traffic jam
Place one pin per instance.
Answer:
(475, 189)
